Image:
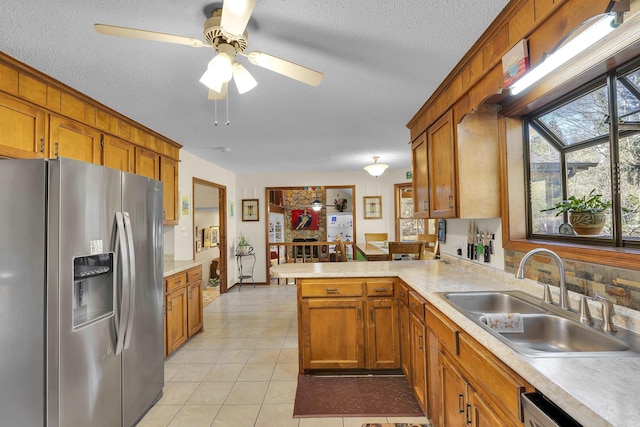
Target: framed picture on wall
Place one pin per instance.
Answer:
(215, 235)
(197, 238)
(372, 207)
(206, 240)
(304, 219)
(250, 211)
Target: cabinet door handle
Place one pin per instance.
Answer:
(425, 205)
(450, 201)
(467, 415)
(42, 145)
(380, 289)
(371, 314)
(332, 290)
(57, 144)
(170, 305)
(460, 403)
(420, 342)
(415, 307)
(359, 314)
(191, 294)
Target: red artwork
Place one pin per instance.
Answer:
(304, 219)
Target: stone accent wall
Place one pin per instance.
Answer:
(621, 286)
(301, 199)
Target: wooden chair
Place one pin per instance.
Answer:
(431, 246)
(341, 251)
(413, 249)
(375, 237)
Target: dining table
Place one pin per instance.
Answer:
(374, 251)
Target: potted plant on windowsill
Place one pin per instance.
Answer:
(586, 213)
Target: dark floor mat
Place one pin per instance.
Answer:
(366, 396)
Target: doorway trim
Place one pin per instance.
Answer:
(222, 207)
(267, 206)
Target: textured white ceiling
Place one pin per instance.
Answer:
(381, 60)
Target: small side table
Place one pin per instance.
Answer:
(245, 271)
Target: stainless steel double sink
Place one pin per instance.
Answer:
(549, 331)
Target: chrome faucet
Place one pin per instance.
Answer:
(564, 294)
(607, 313)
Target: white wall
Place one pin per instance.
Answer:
(457, 230)
(179, 239)
(252, 186)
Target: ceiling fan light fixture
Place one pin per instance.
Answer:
(244, 80)
(316, 205)
(376, 169)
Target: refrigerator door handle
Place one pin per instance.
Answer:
(121, 320)
(132, 280)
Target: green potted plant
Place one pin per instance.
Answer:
(586, 213)
(243, 247)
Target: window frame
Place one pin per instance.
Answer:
(609, 80)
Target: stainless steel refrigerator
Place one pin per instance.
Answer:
(81, 294)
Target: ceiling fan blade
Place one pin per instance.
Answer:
(235, 16)
(218, 96)
(286, 68)
(112, 30)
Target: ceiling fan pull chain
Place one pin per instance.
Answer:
(227, 98)
(215, 109)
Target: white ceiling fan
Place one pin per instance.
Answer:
(225, 31)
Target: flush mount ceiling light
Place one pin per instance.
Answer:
(583, 37)
(376, 169)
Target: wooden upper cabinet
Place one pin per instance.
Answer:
(169, 178)
(119, 154)
(22, 129)
(420, 176)
(442, 170)
(479, 164)
(68, 138)
(147, 163)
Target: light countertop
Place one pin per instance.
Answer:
(596, 391)
(172, 267)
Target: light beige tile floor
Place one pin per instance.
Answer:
(242, 370)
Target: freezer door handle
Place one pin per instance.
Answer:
(132, 280)
(122, 249)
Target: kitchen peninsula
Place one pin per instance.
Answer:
(595, 391)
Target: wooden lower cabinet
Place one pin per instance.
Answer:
(418, 349)
(333, 333)
(183, 307)
(405, 340)
(348, 324)
(461, 404)
(383, 339)
(176, 319)
(194, 308)
(470, 386)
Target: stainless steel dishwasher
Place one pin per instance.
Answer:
(541, 412)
